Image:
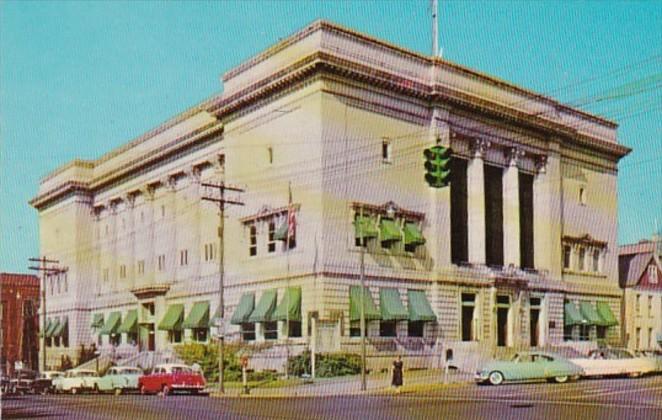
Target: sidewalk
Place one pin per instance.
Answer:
(376, 384)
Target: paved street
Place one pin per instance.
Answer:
(604, 399)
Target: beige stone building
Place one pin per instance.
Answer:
(519, 251)
(641, 280)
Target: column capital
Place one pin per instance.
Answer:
(193, 173)
(541, 164)
(147, 191)
(479, 147)
(130, 199)
(168, 182)
(514, 155)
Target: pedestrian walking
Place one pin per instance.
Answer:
(396, 378)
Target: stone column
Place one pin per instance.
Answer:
(195, 259)
(547, 215)
(439, 222)
(129, 199)
(170, 224)
(150, 264)
(476, 203)
(511, 216)
(113, 271)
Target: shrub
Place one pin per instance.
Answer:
(328, 365)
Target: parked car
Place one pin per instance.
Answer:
(21, 383)
(614, 361)
(655, 355)
(119, 379)
(526, 366)
(43, 384)
(4, 384)
(168, 378)
(75, 381)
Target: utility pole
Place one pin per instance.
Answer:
(43, 270)
(221, 201)
(362, 311)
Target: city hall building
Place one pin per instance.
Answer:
(325, 133)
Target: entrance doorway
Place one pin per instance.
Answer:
(503, 312)
(147, 340)
(534, 322)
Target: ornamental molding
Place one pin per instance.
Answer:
(385, 209)
(584, 240)
(267, 212)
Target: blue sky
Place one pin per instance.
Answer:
(77, 79)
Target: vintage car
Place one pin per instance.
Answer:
(655, 355)
(526, 366)
(76, 380)
(43, 384)
(119, 379)
(21, 383)
(4, 383)
(613, 361)
(168, 378)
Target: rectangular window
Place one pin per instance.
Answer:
(651, 340)
(387, 329)
(248, 331)
(105, 276)
(66, 282)
(601, 332)
(115, 339)
(596, 261)
(175, 336)
(652, 274)
(161, 262)
(415, 328)
(183, 257)
(271, 330)
(526, 220)
(122, 271)
(141, 267)
(637, 305)
(581, 261)
(209, 252)
(272, 232)
(493, 181)
(355, 328)
(468, 314)
(386, 151)
(567, 250)
(584, 332)
(294, 329)
(650, 306)
(459, 212)
(200, 334)
(638, 338)
(252, 237)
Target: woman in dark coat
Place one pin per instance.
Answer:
(396, 379)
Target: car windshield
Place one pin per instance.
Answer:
(130, 371)
(86, 374)
(180, 369)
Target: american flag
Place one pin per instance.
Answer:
(291, 217)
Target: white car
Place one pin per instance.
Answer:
(75, 381)
(606, 362)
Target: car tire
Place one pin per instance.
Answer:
(496, 378)
(561, 379)
(165, 389)
(117, 391)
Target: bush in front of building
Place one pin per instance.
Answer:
(327, 365)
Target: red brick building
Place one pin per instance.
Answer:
(19, 297)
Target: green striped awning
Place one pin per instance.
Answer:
(608, 318)
(572, 316)
(419, 306)
(97, 321)
(61, 328)
(112, 324)
(365, 226)
(413, 235)
(172, 320)
(198, 317)
(390, 231)
(290, 306)
(390, 305)
(52, 327)
(48, 325)
(130, 324)
(370, 310)
(265, 307)
(590, 314)
(244, 309)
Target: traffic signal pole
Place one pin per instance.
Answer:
(43, 270)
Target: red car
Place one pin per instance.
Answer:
(170, 378)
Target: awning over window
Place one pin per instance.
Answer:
(572, 315)
(51, 328)
(413, 235)
(281, 233)
(366, 227)
(390, 305)
(390, 231)
(659, 338)
(172, 320)
(590, 314)
(130, 324)
(608, 318)
(244, 309)
(198, 317)
(112, 324)
(97, 321)
(265, 307)
(61, 328)
(48, 325)
(370, 310)
(290, 306)
(419, 306)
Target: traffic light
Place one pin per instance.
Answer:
(438, 166)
